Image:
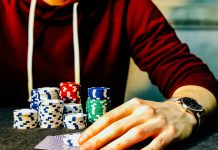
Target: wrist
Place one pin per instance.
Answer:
(200, 94)
(193, 107)
(192, 120)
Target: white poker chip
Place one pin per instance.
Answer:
(51, 113)
(71, 139)
(75, 121)
(52, 102)
(25, 118)
(49, 126)
(72, 108)
(25, 112)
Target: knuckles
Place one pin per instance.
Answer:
(172, 130)
(106, 119)
(136, 101)
(162, 120)
(151, 111)
(137, 131)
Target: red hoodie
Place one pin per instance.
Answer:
(110, 32)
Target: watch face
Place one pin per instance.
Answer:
(192, 104)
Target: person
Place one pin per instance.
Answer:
(110, 32)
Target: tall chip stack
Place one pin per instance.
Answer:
(51, 113)
(46, 101)
(98, 102)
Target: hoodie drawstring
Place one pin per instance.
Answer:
(76, 44)
(31, 45)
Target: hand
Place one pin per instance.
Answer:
(137, 120)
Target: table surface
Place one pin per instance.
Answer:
(11, 138)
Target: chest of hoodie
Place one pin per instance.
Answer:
(100, 32)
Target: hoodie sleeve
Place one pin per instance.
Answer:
(157, 50)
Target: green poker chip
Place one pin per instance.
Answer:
(96, 108)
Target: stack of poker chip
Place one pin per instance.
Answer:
(72, 108)
(25, 118)
(70, 92)
(71, 139)
(40, 94)
(75, 121)
(98, 103)
(51, 113)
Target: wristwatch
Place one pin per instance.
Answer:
(192, 106)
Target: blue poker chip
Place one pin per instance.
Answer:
(34, 105)
(69, 142)
(99, 93)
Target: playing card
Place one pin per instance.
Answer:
(56, 143)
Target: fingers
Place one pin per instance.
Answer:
(106, 120)
(137, 134)
(111, 132)
(162, 140)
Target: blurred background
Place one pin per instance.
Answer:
(196, 23)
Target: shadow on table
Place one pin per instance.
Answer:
(6, 116)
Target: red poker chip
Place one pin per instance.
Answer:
(73, 89)
(70, 92)
(72, 100)
(69, 84)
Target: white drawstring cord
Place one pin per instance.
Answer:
(30, 46)
(76, 44)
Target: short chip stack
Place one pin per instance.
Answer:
(70, 92)
(98, 102)
(25, 118)
(75, 121)
(50, 113)
(40, 94)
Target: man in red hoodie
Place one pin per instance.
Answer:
(110, 32)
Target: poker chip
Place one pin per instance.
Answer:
(70, 92)
(72, 108)
(51, 113)
(75, 121)
(25, 118)
(52, 107)
(99, 93)
(98, 103)
(71, 139)
(41, 94)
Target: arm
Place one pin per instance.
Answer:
(157, 50)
